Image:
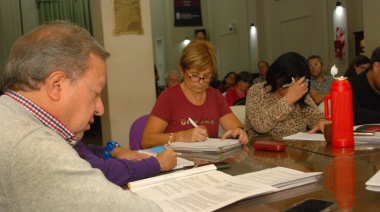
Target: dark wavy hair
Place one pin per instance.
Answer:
(357, 61)
(375, 57)
(283, 69)
(228, 74)
(244, 76)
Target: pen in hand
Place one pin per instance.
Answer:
(193, 123)
(290, 84)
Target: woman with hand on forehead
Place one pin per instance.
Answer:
(192, 98)
(282, 106)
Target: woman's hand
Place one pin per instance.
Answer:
(296, 90)
(236, 133)
(197, 134)
(320, 125)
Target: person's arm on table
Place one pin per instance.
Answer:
(153, 134)
(122, 171)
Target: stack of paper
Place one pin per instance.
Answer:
(282, 178)
(219, 156)
(210, 145)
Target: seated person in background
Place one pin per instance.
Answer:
(272, 109)
(228, 82)
(192, 98)
(359, 64)
(366, 92)
(239, 91)
(320, 84)
(200, 35)
(156, 78)
(263, 69)
(172, 78)
(120, 165)
(52, 82)
(254, 76)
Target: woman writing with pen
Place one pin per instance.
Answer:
(281, 106)
(192, 101)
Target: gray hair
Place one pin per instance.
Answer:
(57, 45)
(174, 72)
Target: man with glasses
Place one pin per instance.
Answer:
(366, 92)
(319, 84)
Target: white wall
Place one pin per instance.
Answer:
(130, 74)
(305, 26)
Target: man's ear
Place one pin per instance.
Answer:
(54, 84)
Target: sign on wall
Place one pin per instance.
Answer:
(187, 13)
(127, 15)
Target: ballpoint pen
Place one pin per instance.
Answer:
(193, 123)
(289, 84)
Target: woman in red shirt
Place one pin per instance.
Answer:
(192, 98)
(239, 91)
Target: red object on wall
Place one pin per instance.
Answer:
(339, 43)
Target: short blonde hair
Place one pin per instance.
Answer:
(199, 55)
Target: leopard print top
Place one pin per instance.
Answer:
(267, 115)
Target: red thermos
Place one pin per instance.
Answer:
(341, 113)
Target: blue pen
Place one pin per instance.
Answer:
(290, 84)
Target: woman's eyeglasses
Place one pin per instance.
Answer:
(197, 79)
(363, 68)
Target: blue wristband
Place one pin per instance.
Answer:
(109, 147)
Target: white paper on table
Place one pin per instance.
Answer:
(320, 137)
(306, 137)
(206, 191)
(373, 184)
(181, 162)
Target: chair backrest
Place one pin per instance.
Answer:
(240, 101)
(136, 131)
(239, 111)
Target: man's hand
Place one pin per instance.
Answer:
(167, 159)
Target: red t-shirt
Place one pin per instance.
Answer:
(232, 95)
(173, 107)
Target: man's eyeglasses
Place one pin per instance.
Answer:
(197, 79)
(314, 65)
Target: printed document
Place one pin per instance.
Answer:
(207, 189)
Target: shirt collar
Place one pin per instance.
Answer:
(47, 119)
